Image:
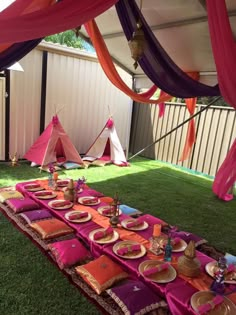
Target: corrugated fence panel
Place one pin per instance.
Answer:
(2, 118)
(25, 103)
(215, 132)
(85, 98)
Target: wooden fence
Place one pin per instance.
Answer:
(215, 132)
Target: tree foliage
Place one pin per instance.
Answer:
(67, 38)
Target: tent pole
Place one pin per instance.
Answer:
(178, 126)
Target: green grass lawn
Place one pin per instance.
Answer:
(30, 284)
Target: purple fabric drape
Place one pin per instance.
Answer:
(15, 52)
(155, 62)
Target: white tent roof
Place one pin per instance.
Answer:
(180, 26)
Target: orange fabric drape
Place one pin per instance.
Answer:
(190, 138)
(109, 68)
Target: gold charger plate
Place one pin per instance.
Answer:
(53, 203)
(180, 247)
(100, 209)
(131, 255)
(81, 200)
(140, 227)
(212, 267)
(105, 240)
(202, 297)
(81, 220)
(49, 196)
(33, 187)
(163, 276)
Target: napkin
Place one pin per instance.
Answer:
(43, 193)
(108, 211)
(210, 305)
(134, 223)
(32, 186)
(63, 182)
(101, 234)
(129, 249)
(155, 269)
(78, 215)
(175, 241)
(61, 203)
(231, 268)
(90, 200)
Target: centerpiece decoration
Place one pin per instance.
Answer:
(188, 264)
(114, 220)
(51, 170)
(69, 192)
(154, 240)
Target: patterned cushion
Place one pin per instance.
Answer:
(69, 252)
(20, 205)
(51, 228)
(101, 273)
(36, 215)
(134, 297)
(5, 195)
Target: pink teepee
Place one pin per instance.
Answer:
(52, 145)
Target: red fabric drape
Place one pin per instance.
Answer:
(110, 70)
(224, 50)
(21, 7)
(64, 15)
(190, 138)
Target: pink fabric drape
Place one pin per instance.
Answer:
(64, 15)
(224, 50)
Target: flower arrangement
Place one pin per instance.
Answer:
(80, 183)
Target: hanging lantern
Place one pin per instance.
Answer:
(137, 44)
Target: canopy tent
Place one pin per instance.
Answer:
(53, 145)
(107, 146)
(185, 39)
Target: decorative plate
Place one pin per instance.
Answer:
(46, 194)
(80, 220)
(212, 268)
(163, 276)
(62, 182)
(140, 227)
(55, 205)
(130, 255)
(202, 297)
(100, 211)
(105, 240)
(33, 187)
(88, 201)
(180, 247)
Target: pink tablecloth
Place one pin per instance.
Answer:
(177, 293)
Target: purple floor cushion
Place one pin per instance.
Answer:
(36, 215)
(69, 252)
(134, 298)
(21, 205)
(101, 273)
(51, 228)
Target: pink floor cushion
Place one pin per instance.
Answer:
(8, 194)
(24, 204)
(36, 215)
(69, 252)
(134, 297)
(51, 228)
(101, 273)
